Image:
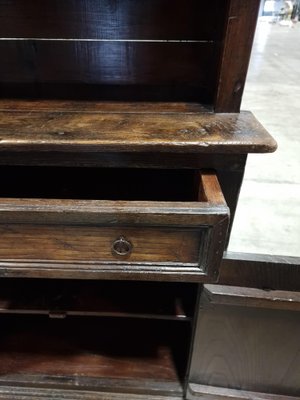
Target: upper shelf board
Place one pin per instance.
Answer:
(62, 126)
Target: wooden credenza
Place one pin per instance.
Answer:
(122, 153)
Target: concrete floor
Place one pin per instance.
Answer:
(268, 215)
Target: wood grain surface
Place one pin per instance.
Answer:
(204, 392)
(21, 393)
(260, 271)
(241, 23)
(48, 352)
(72, 243)
(250, 297)
(253, 347)
(113, 19)
(78, 235)
(88, 131)
(111, 50)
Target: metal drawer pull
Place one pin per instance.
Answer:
(121, 246)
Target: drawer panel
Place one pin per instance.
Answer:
(69, 243)
(117, 239)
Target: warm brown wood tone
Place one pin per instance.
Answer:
(74, 238)
(260, 271)
(249, 297)
(197, 392)
(59, 299)
(91, 131)
(114, 107)
(113, 19)
(239, 36)
(249, 342)
(93, 244)
(36, 351)
(117, 162)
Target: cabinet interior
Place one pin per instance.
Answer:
(136, 332)
(99, 183)
(125, 50)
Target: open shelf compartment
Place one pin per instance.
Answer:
(94, 354)
(64, 298)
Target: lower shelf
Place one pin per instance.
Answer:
(94, 353)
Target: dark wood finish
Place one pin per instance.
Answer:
(188, 242)
(44, 352)
(143, 217)
(239, 36)
(112, 50)
(215, 393)
(260, 271)
(249, 297)
(249, 342)
(60, 299)
(91, 131)
(148, 70)
(21, 393)
(113, 19)
(79, 106)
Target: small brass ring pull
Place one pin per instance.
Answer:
(121, 247)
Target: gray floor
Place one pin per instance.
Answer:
(268, 215)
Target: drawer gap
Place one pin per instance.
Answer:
(63, 298)
(97, 183)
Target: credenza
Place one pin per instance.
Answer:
(122, 154)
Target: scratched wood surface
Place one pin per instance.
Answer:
(24, 393)
(260, 271)
(240, 29)
(34, 129)
(200, 392)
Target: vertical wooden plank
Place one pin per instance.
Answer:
(246, 348)
(239, 34)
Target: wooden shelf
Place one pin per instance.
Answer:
(89, 353)
(57, 126)
(60, 299)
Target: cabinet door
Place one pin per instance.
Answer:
(247, 333)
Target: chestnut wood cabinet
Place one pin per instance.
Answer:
(122, 153)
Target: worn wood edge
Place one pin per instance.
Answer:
(269, 272)
(212, 189)
(79, 212)
(197, 392)
(250, 297)
(95, 385)
(255, 257)
(53, 270)
(241, 23)
(23, 393)
(103, 107)
(195, 133)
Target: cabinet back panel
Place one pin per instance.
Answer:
(113, 19)
(125, 50)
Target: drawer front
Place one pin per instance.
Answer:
(107, 244)
(98, 239)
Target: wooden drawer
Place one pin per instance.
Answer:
(116, 239)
